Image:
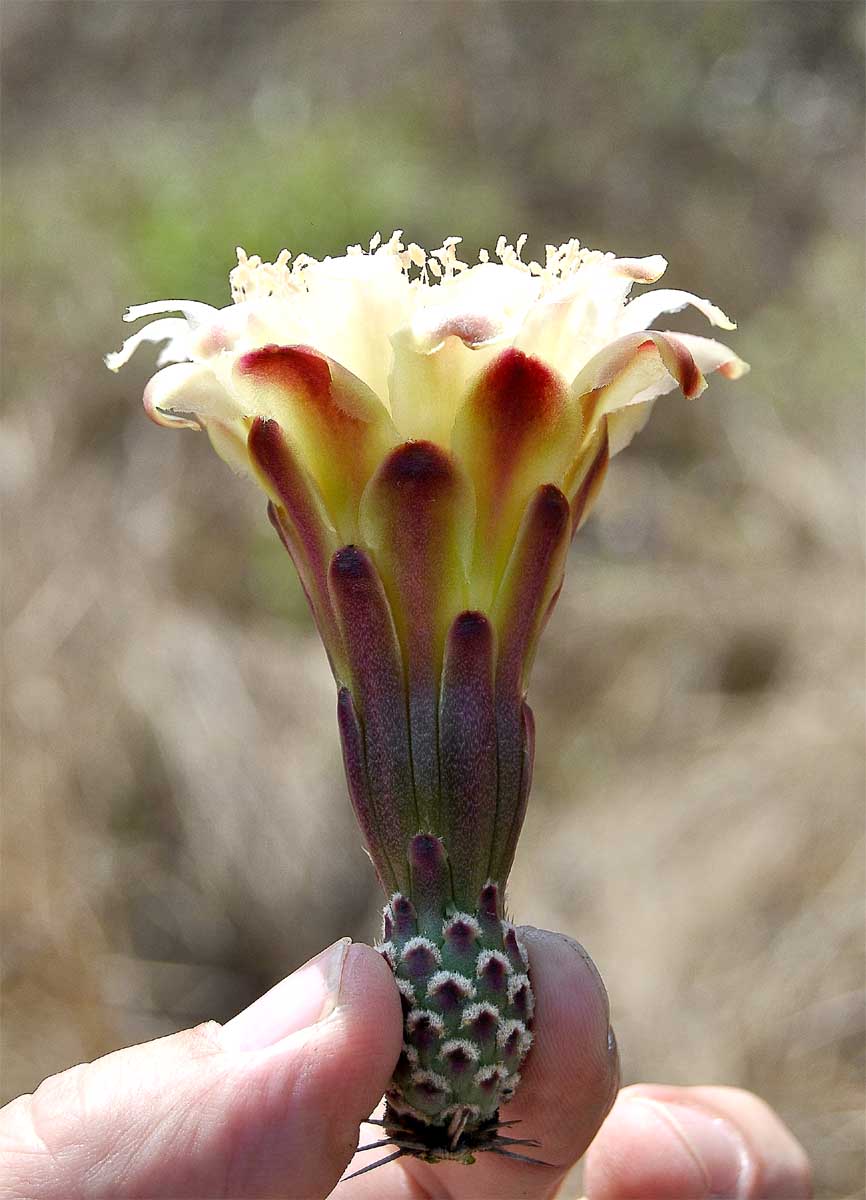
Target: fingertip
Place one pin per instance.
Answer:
(353, 1051)
(692, 1144)
(572, 1072)
(367, 988)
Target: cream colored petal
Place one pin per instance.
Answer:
(629, 418)
(622, 426)
(642, 311)
(711, 355)
(427, 390)
(229, 439)
(187, 395)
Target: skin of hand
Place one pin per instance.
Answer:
(270, 1105)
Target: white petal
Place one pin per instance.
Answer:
(641, 312)
(641, 270)
(173, 330)
(580, 316)
(624, 424)
(480, 306)
(193, 310)
(352, 308)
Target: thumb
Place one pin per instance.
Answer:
(267, 1105)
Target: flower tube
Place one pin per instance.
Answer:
(430, 435)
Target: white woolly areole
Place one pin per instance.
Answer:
(472, 1012)
(405, 988)
(454, 1044)
(488, 956)
(453, 1110)
(432, 1078)
(419, 943)
(411, 1053)
(387, 948)
(507, 928)
(464, 919)
(464, 986)
(515, 983)
(487, 1074)
(434, 1019)
(508, 1028)
(400, 1105)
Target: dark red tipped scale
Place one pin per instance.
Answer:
(363, 804)
(375, 671)
(467, 750)
(297, 513)
(416, 515)
(532, 578)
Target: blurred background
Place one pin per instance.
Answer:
(176, 831)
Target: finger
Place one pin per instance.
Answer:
(667, 1143)
(268, 1105)
(569, 1083)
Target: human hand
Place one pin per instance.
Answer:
(270, 1104)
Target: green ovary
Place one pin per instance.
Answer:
(467, 1011)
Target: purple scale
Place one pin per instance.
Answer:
(488, 904)
(422, 1035)
(484, 1026)
(448, 995)
(513, 947)
(491, 1083)
(512, 1044)
(403, 911)
(494, 974)
(419, 962)
(458, 1060)
(460, 937)
(520, 1002)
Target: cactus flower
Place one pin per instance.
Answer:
(430, 435)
